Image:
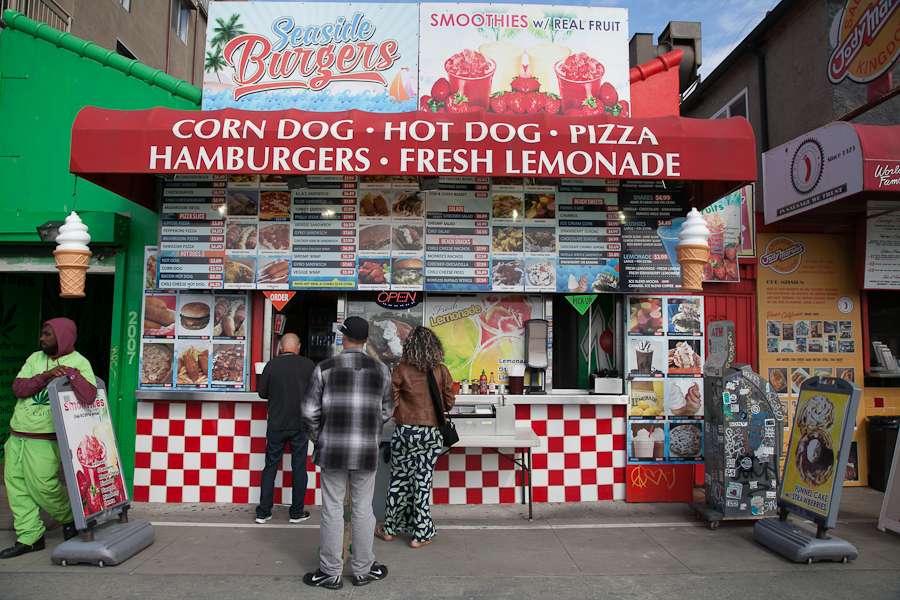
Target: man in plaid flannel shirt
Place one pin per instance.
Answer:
(347, 403)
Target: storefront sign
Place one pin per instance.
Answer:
(809, 312)
(865, 40)
(279, 299)
(812, 170)
(524, 58)
(581, 303)
(398, 300)
(91, 461)
(819, 448)
(882, 246)
(313, 56)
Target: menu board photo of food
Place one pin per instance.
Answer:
(230, 316)
(242, 203)
(540, 274)
(274, 272)
(156, 364)
(151, 261)
(274, 205)
(194, 311)
(645, 316)
(684, 316)
(685, 441)
(646, 398)
(685, 357)
(388, 329)
(275, 236)
(240, 272)
(374, 204)
(647, 356)
(374, 273)
(374, 238)
(193, 364)
(159, 315)
(240, 236)
(228, 365)
(508, 275)
(684, 398)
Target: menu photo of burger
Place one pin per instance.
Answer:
(194, 312)
(159, 315)
(193, 364)
(407, 273)
(156, 363)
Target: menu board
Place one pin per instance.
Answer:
(192, 232)
(664, 365)
(589, 234)
(882, 247)
(323, 237)
(193, 339)
(809, 313)
(457, 241)
(651, 220)
(452, 234)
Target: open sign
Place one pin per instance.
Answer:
(397, 300)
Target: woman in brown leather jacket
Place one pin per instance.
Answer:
(416, 443)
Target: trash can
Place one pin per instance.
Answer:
(882, 440)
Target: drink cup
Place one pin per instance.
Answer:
(668, 235)
(476, 89)
(644, 361)
(643, 448)
(507, 59)
(542, 59)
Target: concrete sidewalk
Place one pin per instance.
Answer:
(599, 550)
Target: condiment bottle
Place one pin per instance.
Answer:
(464, 387)
(492, 385)
(482, 383)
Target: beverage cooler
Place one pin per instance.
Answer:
(742, 437)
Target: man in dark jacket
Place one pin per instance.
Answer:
(348, 401)
(283, 383)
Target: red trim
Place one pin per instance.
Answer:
(258, 308)
(669, 60)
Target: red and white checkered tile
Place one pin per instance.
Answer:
(213, 452)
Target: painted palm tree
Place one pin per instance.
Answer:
(214, 63)
(225, 31)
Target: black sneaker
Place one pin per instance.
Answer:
(320, 579)
(18, 549)
(376, 573)
(69, 531)
(261, 519)
(304, 516)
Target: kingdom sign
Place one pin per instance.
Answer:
(866, 40)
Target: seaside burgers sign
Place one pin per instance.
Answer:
(865, 36)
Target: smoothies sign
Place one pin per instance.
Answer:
(515, 59)
(93, 470)
(864, 36)
(314, 56)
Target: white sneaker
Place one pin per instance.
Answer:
(262, 520)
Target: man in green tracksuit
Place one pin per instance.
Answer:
(32, 454)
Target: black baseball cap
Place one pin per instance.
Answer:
(355, 328)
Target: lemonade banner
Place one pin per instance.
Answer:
(90, 456)
(328, 57)
(818, 450)
(484, 333)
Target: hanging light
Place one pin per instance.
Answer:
(73, 256)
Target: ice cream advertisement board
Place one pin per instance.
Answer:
(90, 455)
(314, 56)
(524, 58)
(724, 218)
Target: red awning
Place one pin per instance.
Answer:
(123, 150)
(881, 157)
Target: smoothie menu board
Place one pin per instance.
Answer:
(192, 232)
(651, 221)
(664, 365)
(457, 241)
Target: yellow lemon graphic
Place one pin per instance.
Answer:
(488, 357)
(460, 340)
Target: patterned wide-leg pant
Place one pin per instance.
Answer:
(414, 451)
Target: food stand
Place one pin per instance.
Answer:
(470, 222)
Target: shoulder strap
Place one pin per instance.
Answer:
(435, 393)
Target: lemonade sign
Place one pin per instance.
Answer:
(482, 333)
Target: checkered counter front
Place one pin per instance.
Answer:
(214, 451)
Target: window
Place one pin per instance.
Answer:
(124, 51)
(181, 13)
(736, 107)
(126, 4)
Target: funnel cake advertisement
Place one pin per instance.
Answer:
(482, 333)
(311, 56)
(94, 455)
(518, 59)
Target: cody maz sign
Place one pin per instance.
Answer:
(414, 146)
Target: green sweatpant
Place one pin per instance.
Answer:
(32, 483)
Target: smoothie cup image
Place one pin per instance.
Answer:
(579, 77)
(470, 74)
(542, 59)
(642, 444)
(716, 240)
(508, 61)
(91, 453)
(644, 358)
(668, 235)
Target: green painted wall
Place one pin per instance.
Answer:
(46, 77)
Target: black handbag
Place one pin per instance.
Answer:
(445, 425)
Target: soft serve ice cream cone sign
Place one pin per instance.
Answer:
(524, 59)
(311, 56)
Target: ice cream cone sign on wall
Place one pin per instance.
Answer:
(693, 250)
(72, 256)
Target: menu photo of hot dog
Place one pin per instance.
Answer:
(230, 317)
(159, 315)
(193, 364)
(274, 272)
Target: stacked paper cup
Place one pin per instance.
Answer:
(693, 250)
(72, 256)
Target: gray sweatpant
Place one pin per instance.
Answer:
(331, 532)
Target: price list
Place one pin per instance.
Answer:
(457, 241)
(323, 238)
(590, 243)
(652, 219)
(192, 232)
